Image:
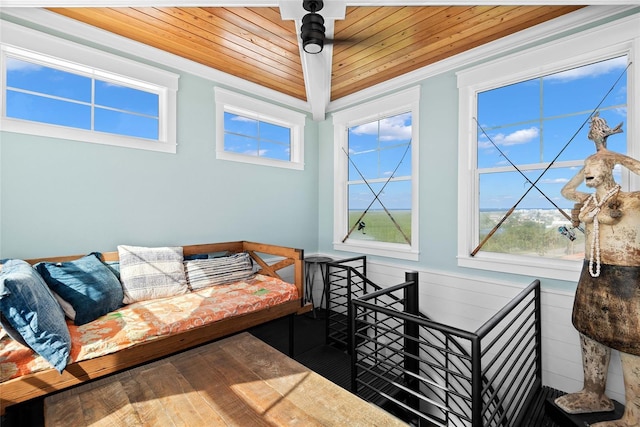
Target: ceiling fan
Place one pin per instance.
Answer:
(312, 30)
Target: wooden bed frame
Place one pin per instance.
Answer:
(45, 382)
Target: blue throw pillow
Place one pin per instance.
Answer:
(87, 284)
(29, 310)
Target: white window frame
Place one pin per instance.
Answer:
(48, 50)
(607, 41)
(231, 102)
(404, 101)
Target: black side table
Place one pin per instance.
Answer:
(311, 265)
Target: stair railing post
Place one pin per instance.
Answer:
(350, 323)
(476, 382)
(411, 343)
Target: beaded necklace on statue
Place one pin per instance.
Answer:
(595, 238)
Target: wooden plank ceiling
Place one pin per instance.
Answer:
(371, 45)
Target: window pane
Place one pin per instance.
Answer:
(240, 144)
(48, 110)
(126, 124)
(274, 150)
(509, 104)
(234, 123)
(126, 98)
(591, 82)
(520, 144)
(395, 129)
(256, 138)
(364, 165)
(392, 225)
(269, 131)
(361, 140)
(535, 220)
(37, 78)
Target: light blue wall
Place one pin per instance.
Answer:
(65, 197)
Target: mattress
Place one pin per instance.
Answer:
(143, 321)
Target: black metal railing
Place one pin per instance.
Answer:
(346, 279)
(440, 375)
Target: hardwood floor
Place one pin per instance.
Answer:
(311, 351)
(236, 381)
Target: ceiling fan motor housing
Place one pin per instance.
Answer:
(312, 30)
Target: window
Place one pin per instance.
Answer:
(50, 93)
(376, 177)
(252, 131)
(39, 93)
(532, 129)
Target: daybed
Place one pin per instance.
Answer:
(123, 338)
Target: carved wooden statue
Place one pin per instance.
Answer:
(606, 310)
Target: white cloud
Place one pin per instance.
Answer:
(237, 118)
(522, 136)
(13, 64)
(554, 181)
(255, 152)
(589, 71)
(391, 129)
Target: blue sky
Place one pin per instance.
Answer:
(256, 138)
(377, 149)
(531, 122)
(60, 97)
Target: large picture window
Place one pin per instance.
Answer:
(376, 183)
(529, 139)
(535, 131)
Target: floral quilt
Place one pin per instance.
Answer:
(147, 320)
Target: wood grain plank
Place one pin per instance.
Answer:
(60, 415)
(106, 405)
(143, 400)
(251, 389)
(175, 394)
(281, 46)
(382, 25)
(216, 391)
(216, 388)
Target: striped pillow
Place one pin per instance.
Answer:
(202, 273)
(148, 273)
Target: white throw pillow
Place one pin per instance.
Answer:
(149, 273)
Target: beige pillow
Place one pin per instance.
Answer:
(149, 273)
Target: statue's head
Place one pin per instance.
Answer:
(599, 131)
